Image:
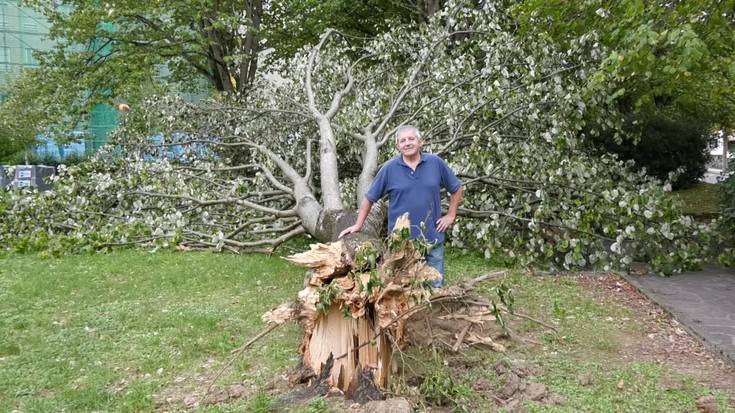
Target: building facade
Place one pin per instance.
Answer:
(22, 33)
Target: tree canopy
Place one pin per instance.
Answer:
(107, 52)
(294, 155)
(676, 57)
(120, 50)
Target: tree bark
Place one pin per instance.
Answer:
(216, 56)
(251, 48)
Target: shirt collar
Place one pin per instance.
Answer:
(402, 162)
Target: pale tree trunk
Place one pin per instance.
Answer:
(331, 197)
(370, 162)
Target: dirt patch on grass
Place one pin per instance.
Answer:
(662, 339)
(190, 390)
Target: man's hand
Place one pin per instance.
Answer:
(349, 230)
(445, 222)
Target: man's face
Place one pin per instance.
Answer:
(408, 143)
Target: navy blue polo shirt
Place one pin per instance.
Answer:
(415, 192)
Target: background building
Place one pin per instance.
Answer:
(22, 32)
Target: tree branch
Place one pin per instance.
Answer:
(236, 201)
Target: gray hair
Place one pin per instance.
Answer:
(405, 128)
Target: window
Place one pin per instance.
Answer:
(28, 57)
(29, 25)
(4, 54)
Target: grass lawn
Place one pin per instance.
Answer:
(701, 199)
(138, 331)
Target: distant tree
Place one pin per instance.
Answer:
(116, 50)
(292, 24)
(671, 65)
(214, 40)
(677, 56)
(126, 50)
(18, 132)
(664, 146)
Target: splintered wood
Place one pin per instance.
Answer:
(363, 318)
(326, 260)
(360, 310)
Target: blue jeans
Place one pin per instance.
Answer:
(435, 259)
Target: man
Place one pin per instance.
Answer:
(412, 181)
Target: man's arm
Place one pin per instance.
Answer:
(362, 214)
(447, 220)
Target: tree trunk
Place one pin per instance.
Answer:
(331, 222)
(216, 54)
(250, 48)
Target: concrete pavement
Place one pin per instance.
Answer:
(702, 301)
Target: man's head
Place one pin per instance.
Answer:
(408, 140)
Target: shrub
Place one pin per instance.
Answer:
(727, 199)
(727, 224)
(665, 146)
(440, 389)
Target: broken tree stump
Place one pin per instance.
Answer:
(364, 301)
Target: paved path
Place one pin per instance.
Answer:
(703, 301)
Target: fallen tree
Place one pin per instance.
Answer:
(296, 154)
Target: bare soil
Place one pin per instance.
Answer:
(663, 340)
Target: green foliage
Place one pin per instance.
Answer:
(727, 223)
(318, 406)
(20, 120)
(667, 66)
(117, 50)
(261, 403)
(374, 283)
(327, 292)
(677, 56)
(124, 50)
(440, 388)
(586, 211)
(366, 258)
(504, 108)
(292, 24)
(666, 148)
(504, 293)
